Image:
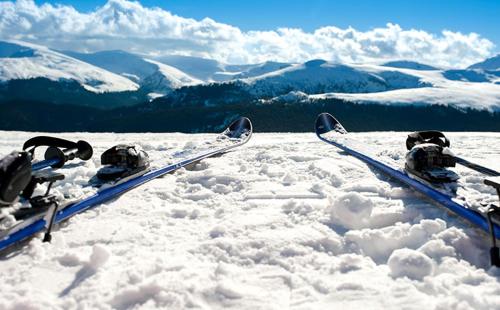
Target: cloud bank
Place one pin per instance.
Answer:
(127, 25)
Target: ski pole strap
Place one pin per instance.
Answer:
(429, 136)
(47, 141)
(60, 149)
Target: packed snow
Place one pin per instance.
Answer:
(286, 221)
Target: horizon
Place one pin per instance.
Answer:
(231, 35)
(380, 63)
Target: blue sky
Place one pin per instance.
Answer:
(480, 16)
(445, 33)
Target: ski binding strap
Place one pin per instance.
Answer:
(429, 136)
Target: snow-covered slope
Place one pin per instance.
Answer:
(261, 69)
(129, 65)
(200, 68)
(405, 64)
(20, 60)
(491, 64)
(210, 70)
(285, 222)
(166, 78)
(152, 75)
(443, 90)
(317, 76)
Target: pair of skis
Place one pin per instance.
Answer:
(331, 131)
(237, 134)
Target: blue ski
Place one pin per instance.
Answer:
(237, 134)
(328, 130)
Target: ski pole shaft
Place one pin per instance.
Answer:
(44, 164)
(477, 167)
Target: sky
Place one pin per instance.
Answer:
(447, 32)
(480, 16)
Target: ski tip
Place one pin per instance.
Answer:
(239, 129)
(326, 123)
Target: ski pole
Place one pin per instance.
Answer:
(59, 151)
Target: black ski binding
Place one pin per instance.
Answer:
(494, 211)
(122, 161)
(47, 202)
(39, 203)
(428, 157)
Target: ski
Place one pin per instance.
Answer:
(330, 130)
(238, 133)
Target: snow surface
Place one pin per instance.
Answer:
(169, 77)
(286, 221)
(27, 61)
(398, 82)
(152, 75)
(492, 64)
(443, 91)
(378, 84)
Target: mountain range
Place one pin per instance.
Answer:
(37, 75)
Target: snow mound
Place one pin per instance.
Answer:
(351, 210)
(410, 263)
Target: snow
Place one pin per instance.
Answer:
(320, 76)
(443, 91)
(491, 64)
(481, 96)
(393, 83)
(209, 70)
(174, 78)
(32, 61)
(366, 83)
(285, 221)
(408, 65)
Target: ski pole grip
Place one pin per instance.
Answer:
(83, 150)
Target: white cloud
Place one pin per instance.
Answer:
(130, 26)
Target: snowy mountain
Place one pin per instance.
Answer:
(210, 70)
(473, 76)
(154, 76)
(490, 64)
(33, 76)
(405, 64)
(320, 76)
(23, 61)
(457, 88)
